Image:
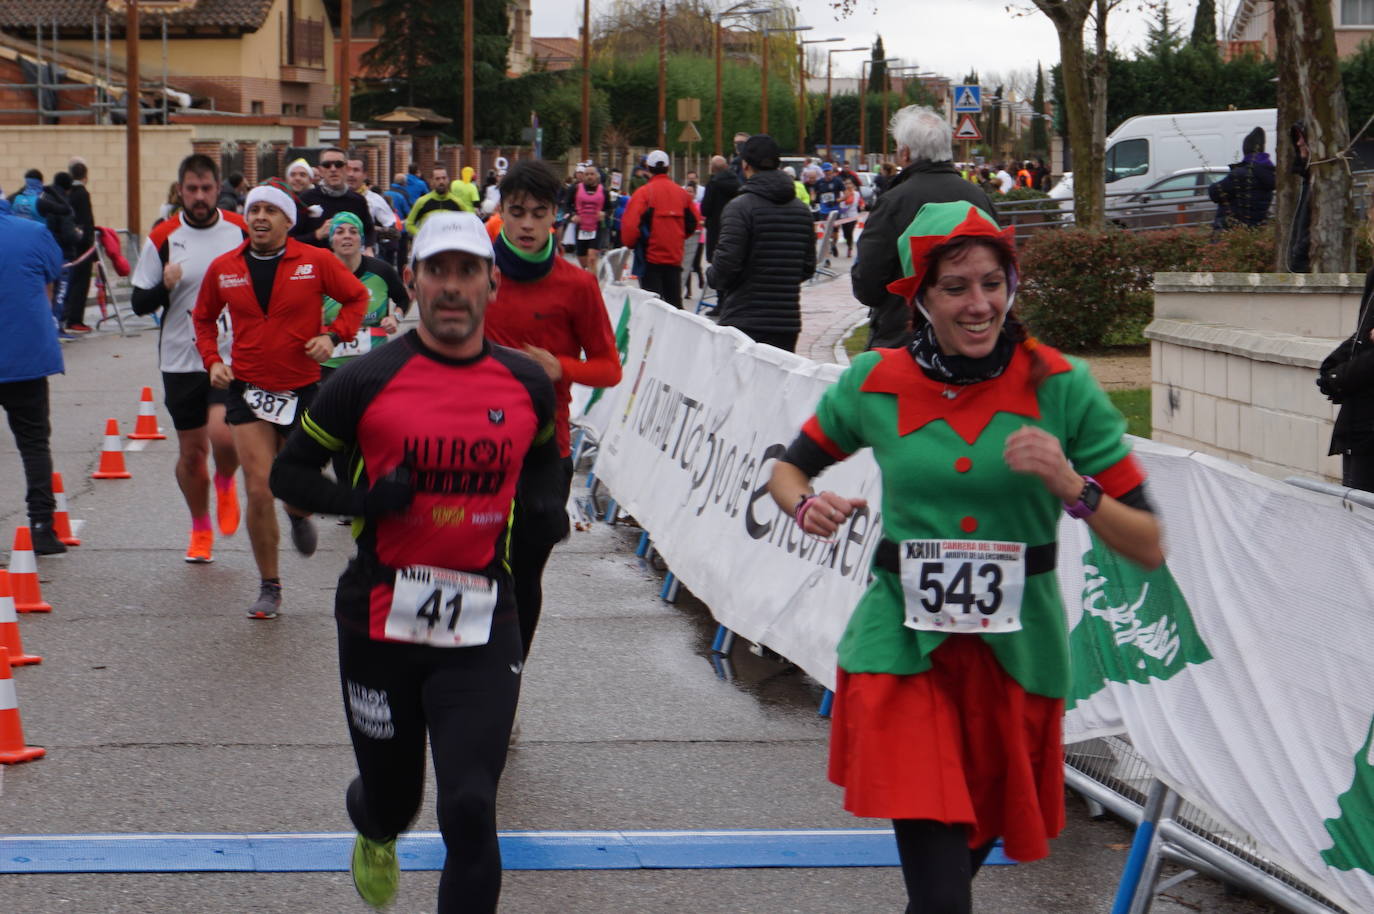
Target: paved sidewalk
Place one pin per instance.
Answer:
(829, 313)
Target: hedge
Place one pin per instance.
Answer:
(1084, 290)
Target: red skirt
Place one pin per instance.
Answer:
(961, 743)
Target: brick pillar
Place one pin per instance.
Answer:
(428, 153)
(250, 161)
(452, 158)
(209, 148)
(372, 160)
(400, 153)
(280, 148)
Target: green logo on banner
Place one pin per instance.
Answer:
(1353, 832)
(622, 343)
(1136, 626)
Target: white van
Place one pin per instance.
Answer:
(1151, 146)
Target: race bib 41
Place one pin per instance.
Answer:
(441, 607)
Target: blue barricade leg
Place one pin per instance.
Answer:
(670, 586)
(578, 437)
(724, 641)
(827, 702)
(610, 512)
(591, 480)
(1129, 886)
(642, 549)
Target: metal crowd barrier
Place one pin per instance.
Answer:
(1109, 774)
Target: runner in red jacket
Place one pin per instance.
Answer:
(661, 215)
(553, 312)
(274, 289)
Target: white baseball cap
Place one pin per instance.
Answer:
(447, 231)
(656, 158)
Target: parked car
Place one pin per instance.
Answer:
(867, 190)
(1179, 199)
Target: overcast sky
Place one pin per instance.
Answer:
(948, 37)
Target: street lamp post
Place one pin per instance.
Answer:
(801, 88)
(887, 90)
(863, 102)
(586, 80)
(662, 73)
(763, 106)
(720, 30)
(829, 71)
(469, 150)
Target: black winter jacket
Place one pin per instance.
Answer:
(720, 190)
(1347, 378)
(1246, 192)
(879, 263)
(766, 250)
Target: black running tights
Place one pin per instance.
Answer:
(937, 865)
(465, 698)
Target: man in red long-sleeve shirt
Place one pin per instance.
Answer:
(553, 312)
(661, 216)
(274, 288)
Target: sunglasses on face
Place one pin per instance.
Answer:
(332, 163)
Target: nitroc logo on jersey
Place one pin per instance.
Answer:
(497, 416)
(232, 280)
(304, 271)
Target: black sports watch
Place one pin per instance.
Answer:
(335, 338)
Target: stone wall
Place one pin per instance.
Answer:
(1234, 359)
(49, 149)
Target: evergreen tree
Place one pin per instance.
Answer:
(418, 58)
(1040, 138)
(1204, 36)
(1165, 36)
(877, 70)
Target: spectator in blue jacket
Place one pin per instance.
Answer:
(30, 262)
(397, 196)
(415, 185)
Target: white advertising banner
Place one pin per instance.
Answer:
(693, 429)
(589, 408)
(1243, 670)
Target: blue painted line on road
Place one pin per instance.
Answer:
(550, 850)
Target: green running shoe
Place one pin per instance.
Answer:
(375, 870)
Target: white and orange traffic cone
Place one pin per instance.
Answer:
(28, 596)
(9, 626)
(61, 521)
(112, 455)
(145, 429)
(12, 748)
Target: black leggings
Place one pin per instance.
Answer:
(528, 556)
(465, 698)
(938, 865)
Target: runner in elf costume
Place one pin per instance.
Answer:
(954, 665)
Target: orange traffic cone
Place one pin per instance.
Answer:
(61, 521)
(9, 626)
(111, 455)
(12, 748)
(28, 596)
(146, 426)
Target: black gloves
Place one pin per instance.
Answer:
(389, 495)
(1329, 383)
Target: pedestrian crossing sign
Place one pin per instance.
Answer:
(968, 98)
(967, 129)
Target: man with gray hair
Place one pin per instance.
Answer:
(925, 153)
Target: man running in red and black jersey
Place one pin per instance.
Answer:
(273, 288)
(442, 430)
(554, 313)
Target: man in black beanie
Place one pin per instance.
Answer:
(766, 250)
(1244, 195)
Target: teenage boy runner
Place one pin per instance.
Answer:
(552, 311)
(443, 430)
(175, 257)
(273, 287)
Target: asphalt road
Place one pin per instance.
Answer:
(164, 710)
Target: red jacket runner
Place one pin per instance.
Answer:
(674, 218)
(269, 349)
